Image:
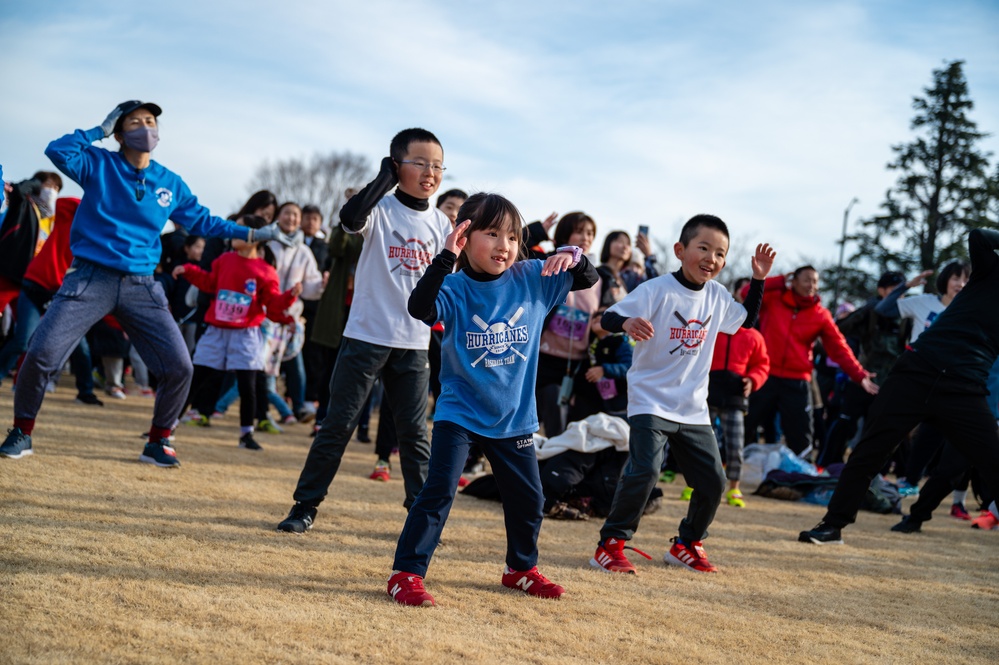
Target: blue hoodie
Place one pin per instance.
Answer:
(112, 227)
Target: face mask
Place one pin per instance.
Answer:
(143, 139)
(46, 201)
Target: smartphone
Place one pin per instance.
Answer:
(643, 231)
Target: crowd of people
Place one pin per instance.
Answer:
(511, 329)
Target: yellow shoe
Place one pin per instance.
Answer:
(685, 494)
(734, 498)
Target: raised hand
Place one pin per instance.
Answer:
(456, 240)
(919, 279)
(109, 122)
(763, 260)
(549, 221)
(556, 263)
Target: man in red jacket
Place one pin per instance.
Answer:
(791, 319)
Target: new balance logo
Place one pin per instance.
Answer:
(395, 590)
(524, 583)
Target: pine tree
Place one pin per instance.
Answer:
(943, 189)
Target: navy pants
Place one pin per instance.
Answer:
(405, 376)
(514, 463)
(88, 294)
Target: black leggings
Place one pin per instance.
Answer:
(207, 384)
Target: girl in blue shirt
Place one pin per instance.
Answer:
(493, 310)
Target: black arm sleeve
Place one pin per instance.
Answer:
(612, 322)
(753, 302)
(535, 234)
(356, 210)
(982, 246)
(584, 275)
(423, 299)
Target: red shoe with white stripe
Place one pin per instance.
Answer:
(531, 582)
(690, 556)
(610, 557)
(407, 589)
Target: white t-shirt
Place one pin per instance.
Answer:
(399, 244)
(922, 309)
(669, 373)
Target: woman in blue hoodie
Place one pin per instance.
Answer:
(127, 199)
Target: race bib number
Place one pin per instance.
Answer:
(607, 388)
(570, 323)
(232, 307)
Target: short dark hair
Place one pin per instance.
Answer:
(400, 142)
(801, 269)
(191, 239)
(949, 270)
(487, 211)
(891, 278)
(285, 205)
(42, 176)
(257, 200)
(739, 283)
(569, 224)
(311, 210)
(611, 237)
(698, 222)
(451, 193)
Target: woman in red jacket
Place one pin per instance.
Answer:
(791, 319)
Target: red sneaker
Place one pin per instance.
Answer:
(381, 472)
(610, 557)
(690, 556)
(959, 512)
(407, 589)
(986, 521)
(531, 582)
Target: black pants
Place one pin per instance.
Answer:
(792, 399)
(916, 392)
(855, 403)
(949, 474)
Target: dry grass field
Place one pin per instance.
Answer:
(106, 560)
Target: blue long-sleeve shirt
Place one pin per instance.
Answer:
(124, 209)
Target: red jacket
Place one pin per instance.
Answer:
(241, 289)
(49, 266)
(791, 324)
(747, 355)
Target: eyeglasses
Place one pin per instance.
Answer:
(423, 166)
(140, 187)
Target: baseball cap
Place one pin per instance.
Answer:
(132, 105)
(891, 278)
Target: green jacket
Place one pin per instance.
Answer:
(331, 316)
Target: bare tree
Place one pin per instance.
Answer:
(319, 181)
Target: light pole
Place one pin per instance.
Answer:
(842, 247)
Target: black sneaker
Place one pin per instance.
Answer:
(16, 445)
(909, 524)
(362, 435)
(247, 441)
(160, 454)
(299, 519)
(822, 534)
(89, 398)
(560, 510)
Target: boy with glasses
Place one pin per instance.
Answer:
(402, 234)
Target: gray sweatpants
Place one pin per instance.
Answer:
(696, 452)
(89, 293)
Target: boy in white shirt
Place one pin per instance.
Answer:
(675, 320)
(402, 234)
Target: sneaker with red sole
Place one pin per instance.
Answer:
(690, 556)
(959, 512)
(531, 582)
(610, 557)
(382, 472)
(407, 589)
(986, 521)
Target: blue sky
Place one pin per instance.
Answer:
(773, 115)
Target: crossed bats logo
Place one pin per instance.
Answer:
(691, 335)
(413, 255)
(497, 338)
